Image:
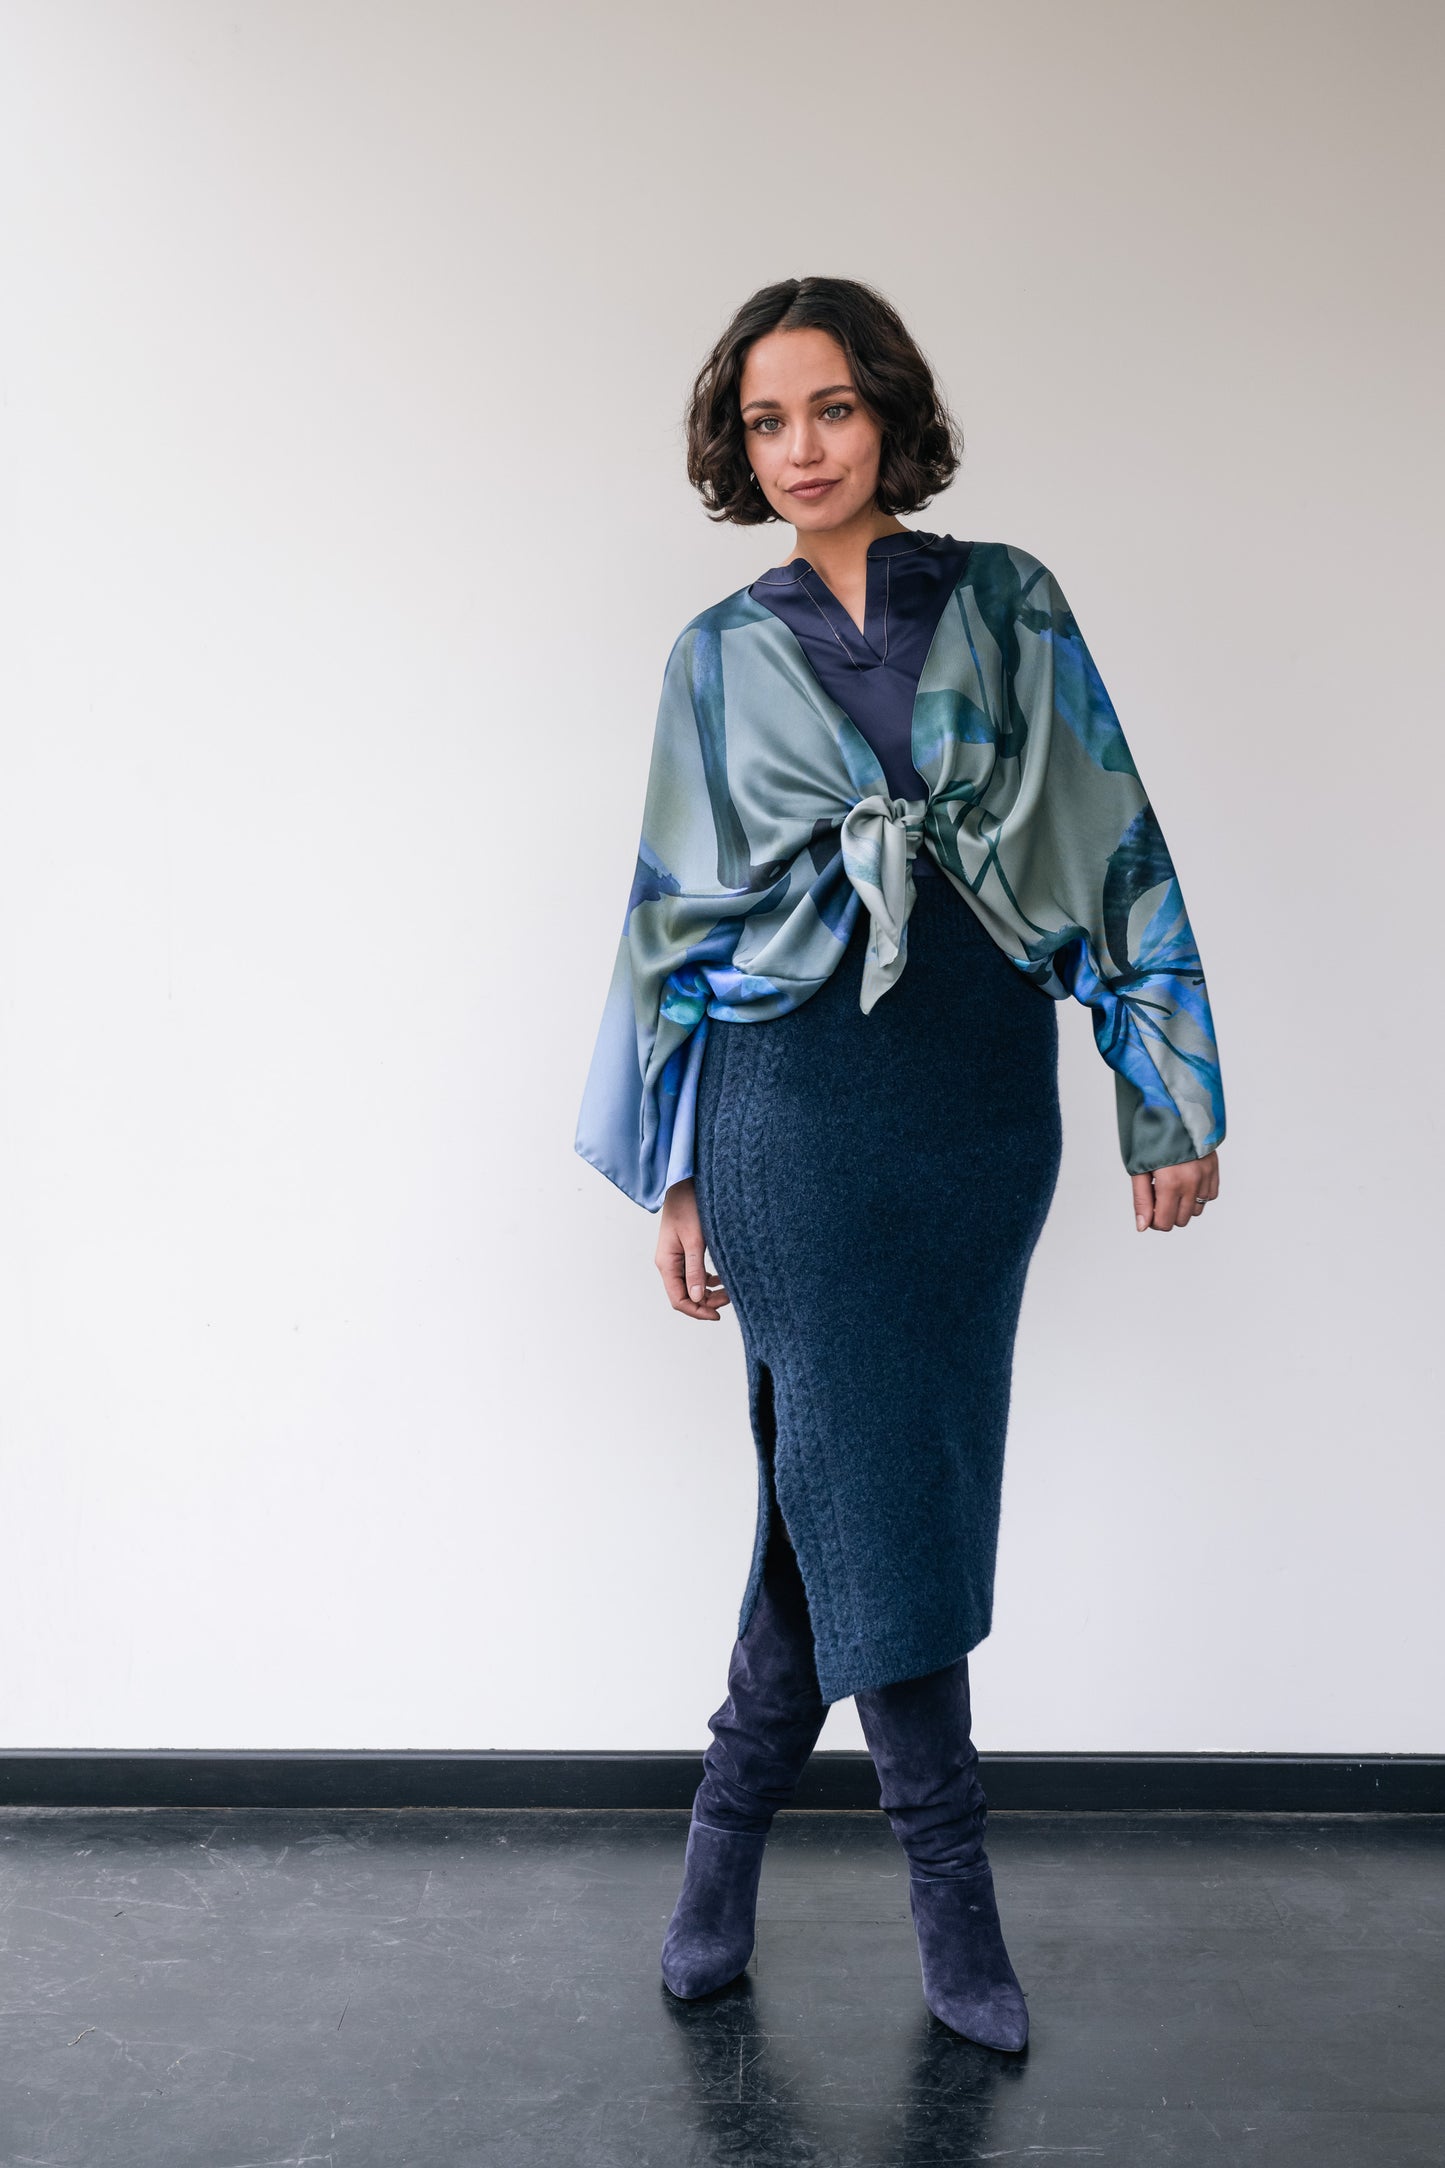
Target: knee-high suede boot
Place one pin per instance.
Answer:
(762, 1737)
(918, 1732)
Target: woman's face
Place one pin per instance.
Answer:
(813, 444)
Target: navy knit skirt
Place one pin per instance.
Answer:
(871, 1189)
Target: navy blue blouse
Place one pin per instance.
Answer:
(873, 674)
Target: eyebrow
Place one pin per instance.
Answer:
(813, 397)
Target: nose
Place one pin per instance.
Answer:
(804, 449)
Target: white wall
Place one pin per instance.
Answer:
(345, 534)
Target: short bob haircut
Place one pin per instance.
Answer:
(922, 444)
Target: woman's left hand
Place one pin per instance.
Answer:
(1173, 1196)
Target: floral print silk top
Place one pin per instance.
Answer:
(770, 822)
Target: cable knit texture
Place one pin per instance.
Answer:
(871, 1189)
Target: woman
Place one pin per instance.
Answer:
(891, 822)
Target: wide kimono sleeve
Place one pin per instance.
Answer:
(1043, 818)
(691, 894)
(1095, 887)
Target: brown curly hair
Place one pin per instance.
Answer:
(922, 444)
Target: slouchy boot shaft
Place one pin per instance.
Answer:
(919, 1734)
(762, 1737)
(766, 1729)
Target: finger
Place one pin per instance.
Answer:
(677, 1294)
(670, 1264)
(696, 1270)
(1143, 1201)
(1183, 1187)
(1166, 1202)
(683, 1302)
(673, 1265)
(1205, 1186)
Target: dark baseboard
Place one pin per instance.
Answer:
(1031, 1783)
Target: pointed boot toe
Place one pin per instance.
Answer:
(968, 1981)
(710, 1935)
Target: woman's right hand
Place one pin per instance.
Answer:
(682, 1258)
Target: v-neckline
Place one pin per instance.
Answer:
(861, 643)
(879, 698)
(840, 619)
(787, 634)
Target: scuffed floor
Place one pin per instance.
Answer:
(274, 1989)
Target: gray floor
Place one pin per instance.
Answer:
(374, 1990)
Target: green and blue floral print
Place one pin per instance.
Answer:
(768, 825)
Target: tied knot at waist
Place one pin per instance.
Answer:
(881, 837)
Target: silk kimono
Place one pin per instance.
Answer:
(768, 825)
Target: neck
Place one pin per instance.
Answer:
(835, 553)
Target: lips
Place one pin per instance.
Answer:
(811, 489)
